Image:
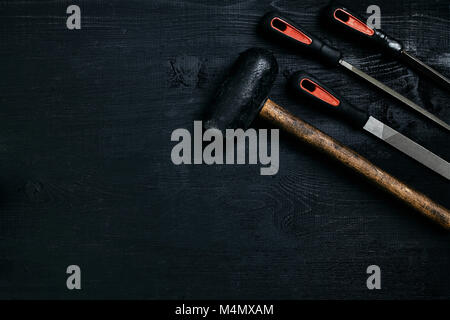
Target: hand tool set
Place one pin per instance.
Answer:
(307, 86)
(243, 96)
(282, 29)
(340, 17)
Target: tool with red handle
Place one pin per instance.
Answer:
(280, 28)
(342, 18)
(243, 96)
(308, 87)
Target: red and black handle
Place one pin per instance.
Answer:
(339, 17)
(306, 86)
(281, 28)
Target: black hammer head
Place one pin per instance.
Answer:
(243, 93)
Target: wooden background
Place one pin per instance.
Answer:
(86, 176)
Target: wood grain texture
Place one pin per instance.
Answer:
(86, 119)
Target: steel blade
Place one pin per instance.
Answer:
(407, 146)
(425, 69)
(394, 93)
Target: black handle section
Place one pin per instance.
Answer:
(282, 29)
(339, 17)
(306, 86)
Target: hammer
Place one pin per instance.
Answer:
(243, 96)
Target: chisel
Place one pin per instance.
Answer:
(342, 18)
(307, 86)
(283, 29)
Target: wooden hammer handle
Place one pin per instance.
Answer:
(312, 136)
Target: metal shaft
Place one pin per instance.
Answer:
(394, 93)
(426, 70)
(407, 146)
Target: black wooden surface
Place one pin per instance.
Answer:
(86, 119)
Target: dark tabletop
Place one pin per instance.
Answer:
(87, 178)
